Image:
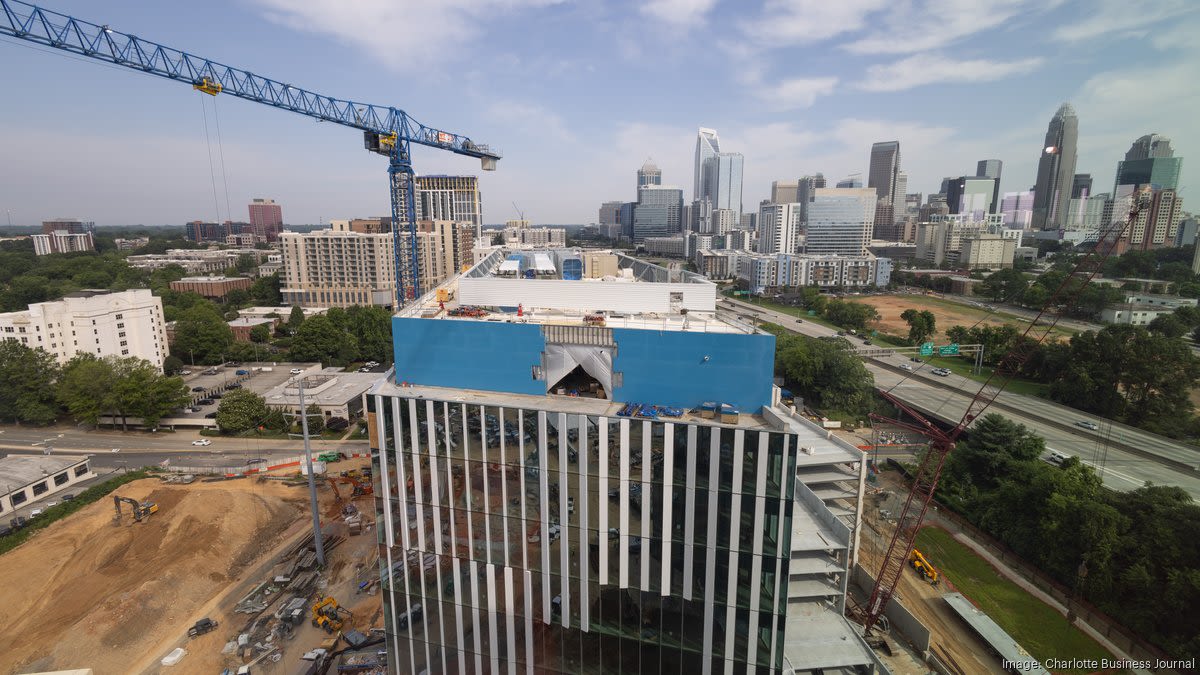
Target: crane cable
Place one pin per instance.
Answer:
(212, 172)
(221, 156)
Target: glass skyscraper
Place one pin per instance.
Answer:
(1056, 170)
(718, 174)
(658, 212)
(840, 221)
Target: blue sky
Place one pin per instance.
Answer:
(579, 94)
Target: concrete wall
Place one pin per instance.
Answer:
(901, 619)
(685, 369)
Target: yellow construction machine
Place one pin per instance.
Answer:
(918, 562)
(141, 510)
(328, 615)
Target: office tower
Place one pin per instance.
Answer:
(946, 184)
(266, 219)
(718, 174)
(1081, 186)
(658, 212)
(840, 221)
(1150, 161)
(804, 192)
(785, 191)
(540, 531)
(971, 195)
(649, 174)
(1056, 170)
(453, 198)
(1017, 209)
(853, 181)
(626, 220)
(883, 176)
(610, 219)
(96, 322)
(991, 168)
(778, 228)
(749, 221)
(699, 216)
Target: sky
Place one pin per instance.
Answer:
(578, 94)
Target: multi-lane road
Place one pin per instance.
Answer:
(1128, 457)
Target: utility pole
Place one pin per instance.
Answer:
(312, 480)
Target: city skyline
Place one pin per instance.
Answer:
(148, 137)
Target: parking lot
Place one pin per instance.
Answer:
(216, 380)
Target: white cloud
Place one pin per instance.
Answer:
(911, 27)
(678, 12)
(923, 69)
(797, 93)
(790, 22)
(531, 120)
(403, 34)
(1123, 17)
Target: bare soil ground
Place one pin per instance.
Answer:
(947, 313)
(86, 593)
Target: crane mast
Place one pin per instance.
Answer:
(941, 443)
(386, 130)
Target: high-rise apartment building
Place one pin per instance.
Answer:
(1056, 170)
(1156, 226)
(528, 523)
(991, 168)
(725, 220)
(718, 175)
(453, 198)
(100, 323)
(840, 221)
(785, 192)
(1150, 161)
(778, 228)
(338, 268)
(266, 219)
(61, 241)
(658, 212)
(649, 174)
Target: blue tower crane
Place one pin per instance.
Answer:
(387, 131)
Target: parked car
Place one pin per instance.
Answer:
(202, 442)
(1088, 425)
(68, 497)
(867, 342)
(210, 371)
(242, 371)
(17, 523)
(233, 385)
(211, 416)
(197, 388)
(205, 401)
(35, 513)
(185, 372)
(296, 371)
(215, 394)
(5, 530)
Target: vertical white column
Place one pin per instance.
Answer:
(458, 566)
(417, 478)
(710, 548)
(602, 501)
(689, 511)
(523, 530)
(668, 522)
(510, 620)
(544, 525)
(435, 498)
(475, 627)
(493, 637)
(385, 478)
(504, 469)
(564, 548)
(623, 555)
(735, 524)
(584, 535)
(530, 655)
(647, 501)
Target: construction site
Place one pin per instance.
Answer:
(207, 575)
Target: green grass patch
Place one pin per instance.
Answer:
(1036, 626)
(965, 367)
(63, 509)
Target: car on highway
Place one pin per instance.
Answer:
(296, 371)
(202, 442)
(915, 359)
(197, 388)
(1092, 426)
(941, 372)
(1055, 457)
(905, 366)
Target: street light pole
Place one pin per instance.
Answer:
(312, 480)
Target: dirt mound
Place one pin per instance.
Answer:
(88, 593)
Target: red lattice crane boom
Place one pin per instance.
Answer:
(941, 442)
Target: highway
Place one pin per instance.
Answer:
(1132, 457)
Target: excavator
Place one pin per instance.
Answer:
(358, 486)
(141, 510)
(327, 615)
(918, 562)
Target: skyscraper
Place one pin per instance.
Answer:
(840, 221)
(785, 191)
(1056, 170)
(1150, 161)
(658, 212)
(882, 175)
(718, 175)
(649, 174)
(453, 198)
(854, 180)
(804, 192)
(991, 168)
(1081, 186)
(971, 195)
(778, 228)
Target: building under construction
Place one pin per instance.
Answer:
(593, 473)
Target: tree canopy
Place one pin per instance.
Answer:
(921, 324)
(241, 410)
(202, 335)
(27, 379)
(825, 372)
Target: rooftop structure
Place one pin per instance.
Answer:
(335, 392)
(28, 478)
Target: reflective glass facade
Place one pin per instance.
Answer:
(547, 541)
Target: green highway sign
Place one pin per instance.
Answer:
(927, 349)
(948, 350)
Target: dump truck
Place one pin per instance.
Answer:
(918, 562)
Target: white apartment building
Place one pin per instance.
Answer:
(61, 241)
(762, 271)
(99, 322)
(840, 221)
(778, 227)
(941, 239)
(195, 261)
(453, 198)
(987, 251)
(523, 235)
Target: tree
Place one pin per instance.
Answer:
(1006, 285)
(295, 320)
(172, 364)
(261, 333)
(265, 291)
(85, 388)
(241, 410)
(238, 297)
(27, 379)
(921, 324)
(201, 335)
(1168, 325)
(139, 390)
(245, 263)
(316, 420)
(825, 372)
(853, 315)
(372, 330)
(320, 340)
